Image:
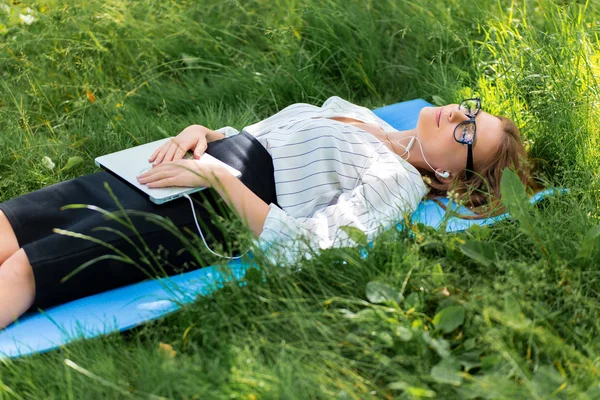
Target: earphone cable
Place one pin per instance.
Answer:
(202, 236)
(406, 150)
(424, 159)
(422, 154)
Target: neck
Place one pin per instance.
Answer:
(414, 157)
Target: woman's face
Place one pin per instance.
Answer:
(435, 130)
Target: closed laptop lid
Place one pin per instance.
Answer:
(130, 163)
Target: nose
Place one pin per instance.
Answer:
(456, 116)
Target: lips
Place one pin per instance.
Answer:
(438, 114)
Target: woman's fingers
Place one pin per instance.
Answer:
(179, 153)
(165, 179)
(154, 177)
(193, 137)
(156, 152)
(200, 148)
(177, 173)
(156, 172)
(171, 152)
(161, 155)
(165, 182)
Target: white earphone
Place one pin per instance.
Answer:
(444, 174)
(407, 148)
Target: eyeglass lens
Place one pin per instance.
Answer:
(470, 107)
(465, 132)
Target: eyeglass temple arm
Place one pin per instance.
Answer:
(469, 160)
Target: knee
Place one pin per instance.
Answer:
(17, 288)
(17, 267)
(9, 240)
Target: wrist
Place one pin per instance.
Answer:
(212, 136)
(218, 176)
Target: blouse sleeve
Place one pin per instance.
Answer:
(228, 131)
(384, 197)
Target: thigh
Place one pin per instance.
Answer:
(136, 246)
(35, 215)
(91, 267)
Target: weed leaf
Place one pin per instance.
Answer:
(447, 371)
(516, 201)
(479, 252)
(440, 345)
(511, 307)
(412, 390)
(449, 318)
(514, 196)
(437, 274)
(588, 245)
(404, 333)
(378, 292)
(358, 236)
(71, 162)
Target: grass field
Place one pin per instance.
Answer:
(509, 312)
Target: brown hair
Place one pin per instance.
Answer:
(481, 192)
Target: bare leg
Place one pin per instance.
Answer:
(17, 287)
(8, 241)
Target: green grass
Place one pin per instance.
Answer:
(508, 312)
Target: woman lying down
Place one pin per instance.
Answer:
(310, 170)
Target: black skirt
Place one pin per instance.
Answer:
(159, 251)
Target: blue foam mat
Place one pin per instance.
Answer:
(124, 308)
(429, 213)
(116, 310)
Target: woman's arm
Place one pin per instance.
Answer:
(251, 208)
(191, 173)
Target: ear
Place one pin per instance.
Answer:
(439, 172)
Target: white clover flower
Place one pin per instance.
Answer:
(27, 19)
(48, 163)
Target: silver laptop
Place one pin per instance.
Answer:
(129, 163)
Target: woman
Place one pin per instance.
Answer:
(330, 167)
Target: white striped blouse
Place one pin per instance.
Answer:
(329, 174)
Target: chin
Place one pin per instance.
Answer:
(426, 120)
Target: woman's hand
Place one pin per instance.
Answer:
(187, 173)
(194, 137)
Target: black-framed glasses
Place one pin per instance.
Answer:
(465, 131)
